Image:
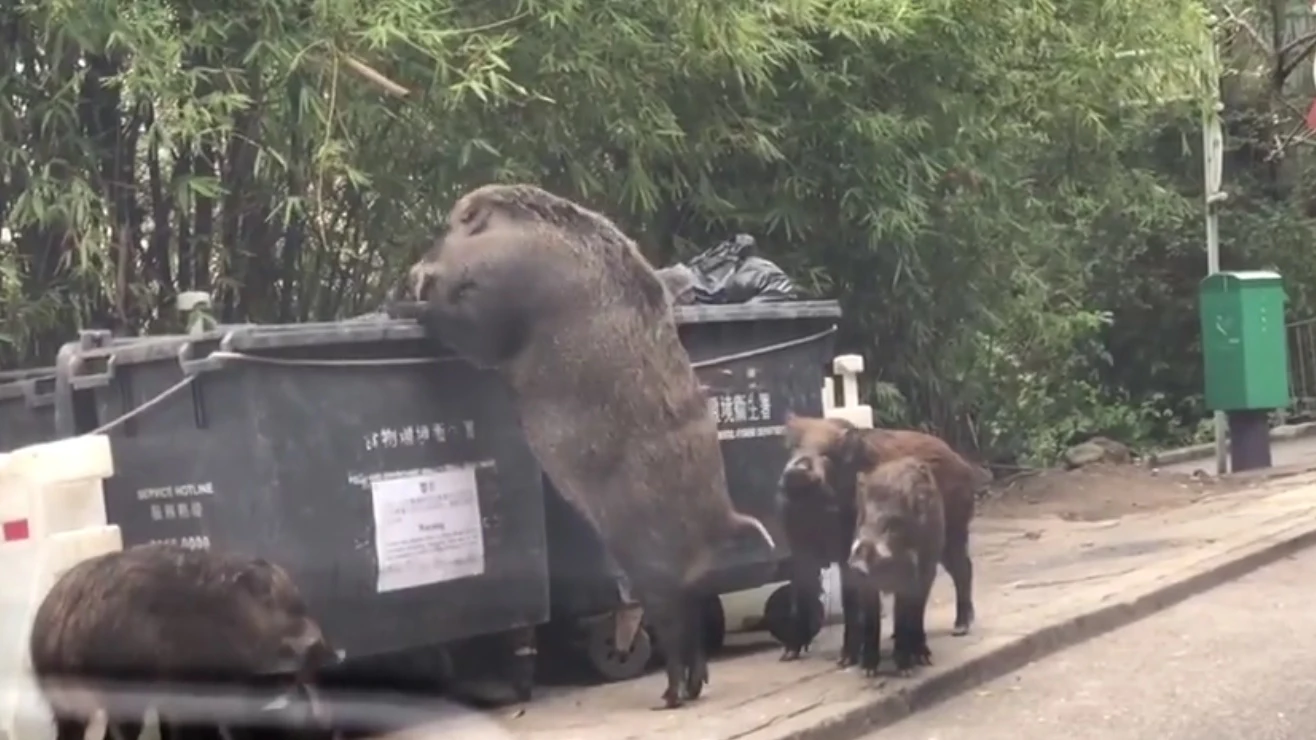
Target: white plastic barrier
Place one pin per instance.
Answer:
(744, 609)
(847, 368)
(52, 516)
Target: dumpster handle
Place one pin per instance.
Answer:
(91, 380)
(725, 359)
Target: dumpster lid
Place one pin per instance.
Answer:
(774, 311)
(358, 330)
(381, 328)
(9, 376)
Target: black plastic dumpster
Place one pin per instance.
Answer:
(27, 407)
(394, 485)
(756, 361)
(28, 398)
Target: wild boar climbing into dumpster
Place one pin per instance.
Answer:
(165, 616)
(564, 306)
(818, 484)
(898, 539)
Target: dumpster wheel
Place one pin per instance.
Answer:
(777, 614)
(610, 663)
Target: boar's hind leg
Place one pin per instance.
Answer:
(955, 558)
(696, 660)
(672, 621)
(911, 639)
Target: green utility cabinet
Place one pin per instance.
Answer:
(1244, 344)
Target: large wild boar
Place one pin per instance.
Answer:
(898, 541)
(166, 616)
(564, 306)
(826, 458)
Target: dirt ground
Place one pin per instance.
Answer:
(1097, 492)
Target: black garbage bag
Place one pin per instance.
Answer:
(731, 273)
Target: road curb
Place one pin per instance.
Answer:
(1198, 452)
(1016, 651)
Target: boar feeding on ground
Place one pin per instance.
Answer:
(898, 540)
(564, 306)
(818, 484)
(166, 616)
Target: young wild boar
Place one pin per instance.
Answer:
(826, 458)
(166, 616)
(898, 541)
(564, 306)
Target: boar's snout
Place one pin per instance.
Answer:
(321, 655)
(868, 554)
(422, 280)
(304, 652)
(801, 473)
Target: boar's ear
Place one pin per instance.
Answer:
(470, 217)
(852, 452)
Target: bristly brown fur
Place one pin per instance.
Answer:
(166, 614)
(905, 485)
(561, 302)
(899, 510)
(827, 458)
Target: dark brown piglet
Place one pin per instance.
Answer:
(168, 616)
(898, 541)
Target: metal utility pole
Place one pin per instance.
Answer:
(1213, 146)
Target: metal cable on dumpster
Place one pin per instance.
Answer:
(378, 362)
(724, 359)
(159, 399)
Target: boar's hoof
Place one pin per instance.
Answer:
(672, 698)
(963, 619)
(845, 661)
(695, 680)
(906, 659)
(870, 664)
(791, 653)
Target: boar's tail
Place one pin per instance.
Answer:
(745, 523)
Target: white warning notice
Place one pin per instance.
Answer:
(428, 528)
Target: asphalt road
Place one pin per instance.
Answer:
(1236, 662)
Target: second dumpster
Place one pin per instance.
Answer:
(27, 407)
(28, 397)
